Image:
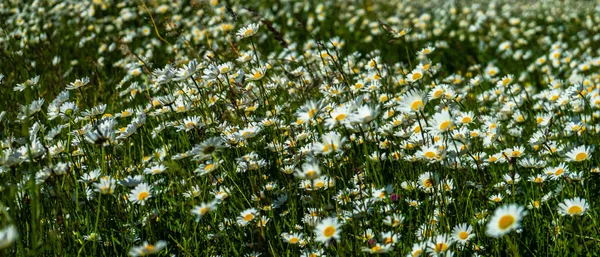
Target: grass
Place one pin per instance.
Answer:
(170, 128)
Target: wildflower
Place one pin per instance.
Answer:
(257, 73)
(189, 123)
(249, 132)
(207, 167)
(580, 153)
(208, 146)
(147, 249)
(505, 219)
(105, 186)
(247, 31)
(225, 67)
(439, 245)
(293, 238)
(8, 236)
(415, 75)
(310, 170)
(247, 216)
(156, 169)
(78, 83)
(573, 207)
(330, 142)
(417, 249)
(328, 229)
(412, 102)
(203, 209)
(378, 248)
(365, 114)
(462, 233)
(340, 115)
(140, 194)
(27, 84)
(442, 122)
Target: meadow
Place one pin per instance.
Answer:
(299, 128)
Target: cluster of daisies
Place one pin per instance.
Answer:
(295, 128)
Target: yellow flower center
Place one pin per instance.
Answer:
(441, 247)
(248, 32)
(416, 105)
(581, 156)
(203, 210)
(149, 248)
(416, 76)
(248, 217)
(463, 235)
(417, 253)
(143, 195)
(428, 183)
(209, 167)
(506, 221)
(376, 248)
(429, 154)
(294, 240)
(445, 125)
(340, 117)
(559, 171)
(329, 231)
(575, 210)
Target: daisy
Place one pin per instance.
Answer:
(207, 167)
(378, 248)
(8, 236)
(442, 122)
(428, 153)
(247, 216)
(426, 181)
(439, 245)
(257, 73)
(573, 207)
(330, 142)
(389, 238)
(417, 249)
(147, 249)
(365, 114)
(339, 115)
(415, 75)
(225, 67)
(505, 219)
(394, 220)
(105, 186)
(78, 83)
(248, 132)
(247, 31)
(327, 229)
(156, 169)
(140, 194)
(580, 153)
(203, 209)
(412, 102)
(462, 233)
(310, 170)
(293, 238)
(189, 123)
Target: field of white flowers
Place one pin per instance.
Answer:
(299, 128)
